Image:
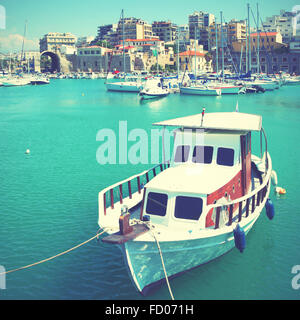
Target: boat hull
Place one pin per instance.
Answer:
(145, 266)
(15, 83)
(146, 96)
(39, 82)
(144, 261)
(229, 90)
(200, 91)
(123, 87)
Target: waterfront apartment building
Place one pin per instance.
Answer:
(199, 23)
(232, 31)
(54, 40)
(165, 30)
(283, 23)
(84, 41)
(106, 31)
(133, 29)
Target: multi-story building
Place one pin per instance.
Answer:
(295, 44)
(105, 32)
(269, 63)
(184, 36)
(155, 43)
(232, 32)
(268, 41)
(133, 29)
(84, 41)
(165, 30)
(54, 40)
(194, 61)
(283, 23)
(199, 23)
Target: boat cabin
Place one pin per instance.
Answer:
(211, 163)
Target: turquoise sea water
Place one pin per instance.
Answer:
(48, 199)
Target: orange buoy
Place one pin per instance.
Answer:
(280, 190)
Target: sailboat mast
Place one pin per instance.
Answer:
(249, 39)
(221, 13)
(258, 39)
(178, 52)
(123, 41)
(247, 46)
(22, 52)
(241, 58)
(217, 52)
(195, 55)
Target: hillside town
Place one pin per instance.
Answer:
(135, 45)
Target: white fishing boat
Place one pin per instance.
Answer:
(197, 206)
(154, 88)
(200, 90)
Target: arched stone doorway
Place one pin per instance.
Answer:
(53, 66)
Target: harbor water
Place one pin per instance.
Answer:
(49, 197)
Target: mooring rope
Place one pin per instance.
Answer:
(163, 264)
(57, 255)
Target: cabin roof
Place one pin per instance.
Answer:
(233, 121)
(196, 179)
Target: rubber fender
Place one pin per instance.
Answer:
(239, 238)
(270, 211)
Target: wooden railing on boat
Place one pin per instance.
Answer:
(246, 204)
(131, 185)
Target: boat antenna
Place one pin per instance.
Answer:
(203, 112)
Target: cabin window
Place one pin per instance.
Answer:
(225, 157)
(157, 203)
(182, 153)
(203, 154)
(188, 208)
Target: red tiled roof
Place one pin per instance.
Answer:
(126, 47)
(91, 47)
(142, 40)
(192, 53)
(264, 34)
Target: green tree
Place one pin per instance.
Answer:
(104, 43)
(154, 67)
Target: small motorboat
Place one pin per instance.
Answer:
(195, 207)
(39, 80)
(154, 88)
